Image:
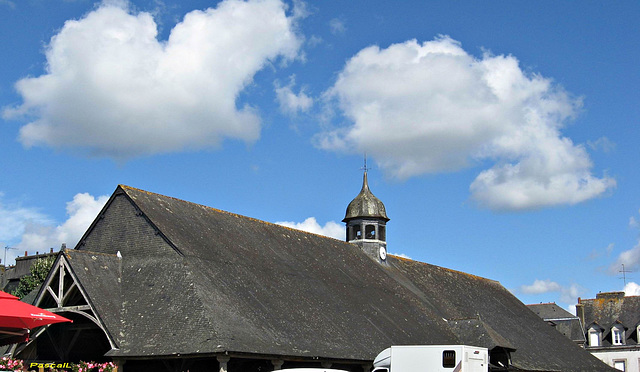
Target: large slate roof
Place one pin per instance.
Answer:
(196, 280)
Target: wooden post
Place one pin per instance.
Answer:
(277, 364)
(223, 360)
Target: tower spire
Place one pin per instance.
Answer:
(365, 180)
(366, 220)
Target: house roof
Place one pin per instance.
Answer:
(550, 311)
(197, 280)
(611, 308)
(563, 321)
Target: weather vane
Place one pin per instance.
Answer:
(365, 168)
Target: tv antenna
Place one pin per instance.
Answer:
(624, 274)
(5, 254)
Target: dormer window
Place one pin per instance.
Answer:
(595, 335)
(617, 334)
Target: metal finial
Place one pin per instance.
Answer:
(365, 168)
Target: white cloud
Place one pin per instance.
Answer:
(629, 258)
(14, 218)
(432, 107)
(34, 232)
(337, 26)
(331, 229)
(113, 89)
(82, 210)
(609, 248)
(541, 286)
(568, 294)
(632, 289)
(602, 143)
(597, 253)
(291, 103)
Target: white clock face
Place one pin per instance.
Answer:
(383, 253)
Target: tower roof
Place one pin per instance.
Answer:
(365, 204)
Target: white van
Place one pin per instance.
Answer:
(433, 358)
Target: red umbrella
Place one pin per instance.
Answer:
(17, 317)
(5, 295)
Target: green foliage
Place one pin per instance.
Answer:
(39, 271)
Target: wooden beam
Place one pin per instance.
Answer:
(53, 295)
(69, 308)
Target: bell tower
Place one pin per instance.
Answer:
(366, 220)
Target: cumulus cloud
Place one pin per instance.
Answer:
(113, 89)
(291, 103)
(568, 294)
(629, 258)
(433, 107)
(331, 229)
(632, 289)
(541, 286)
(14, 218)
(34, 231)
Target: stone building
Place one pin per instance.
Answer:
(611, 323)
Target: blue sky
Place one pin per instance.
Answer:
(501, 136)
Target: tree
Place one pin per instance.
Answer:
(38, 272)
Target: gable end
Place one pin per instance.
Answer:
(123, 227)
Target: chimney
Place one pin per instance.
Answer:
(63, 246)
(580, 313)
(26, 253)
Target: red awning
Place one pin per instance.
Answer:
(15, 314)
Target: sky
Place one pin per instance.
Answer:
(501, 136)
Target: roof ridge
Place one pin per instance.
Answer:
(67, 250)
(444, 268)
(593, 299)
(226, 212)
